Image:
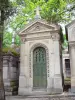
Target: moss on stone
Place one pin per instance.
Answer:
(67, 79)
(10, 51)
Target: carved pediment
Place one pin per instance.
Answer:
(70, 31)
(37, 26)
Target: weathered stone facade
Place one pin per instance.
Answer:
(40, 34)
(70, 29)
(10, 73)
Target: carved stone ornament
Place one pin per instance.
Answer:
(37, 26)
(31, 58)
(23, 39)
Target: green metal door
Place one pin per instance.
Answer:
(39, 68)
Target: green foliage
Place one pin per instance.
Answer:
(14, 86)
(7, 39)
(65, 43)
(51, 10)
(14, 83)
(6, 9)
(17, 40)
(67, 79)
(54, 11)
(4, 4)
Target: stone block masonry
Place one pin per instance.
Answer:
(10, 73)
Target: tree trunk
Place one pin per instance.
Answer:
(2, 92)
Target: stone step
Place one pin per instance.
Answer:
(43, 97)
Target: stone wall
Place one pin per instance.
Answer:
(11, 73)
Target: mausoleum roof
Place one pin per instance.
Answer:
(68, 26)
(40, 23)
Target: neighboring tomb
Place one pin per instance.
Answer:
(70, 33)
(11, 73)
(66, 71)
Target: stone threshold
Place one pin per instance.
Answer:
(63, 95)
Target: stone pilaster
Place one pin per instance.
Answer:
(72, 65)
(22, 76)
(57, 68)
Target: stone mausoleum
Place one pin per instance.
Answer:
(40, 58)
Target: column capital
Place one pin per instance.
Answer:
(23, 39)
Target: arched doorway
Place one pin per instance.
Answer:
(39, 68)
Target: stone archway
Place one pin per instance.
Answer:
(39, 68)
(33, 47)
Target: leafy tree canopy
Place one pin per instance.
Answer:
(55, 11)
(51, 10)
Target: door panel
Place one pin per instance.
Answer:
(39, 68)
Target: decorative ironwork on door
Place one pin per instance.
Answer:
(39, 68)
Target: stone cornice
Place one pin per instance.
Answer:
(38, 38)
(54, 37)
(41, 32)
